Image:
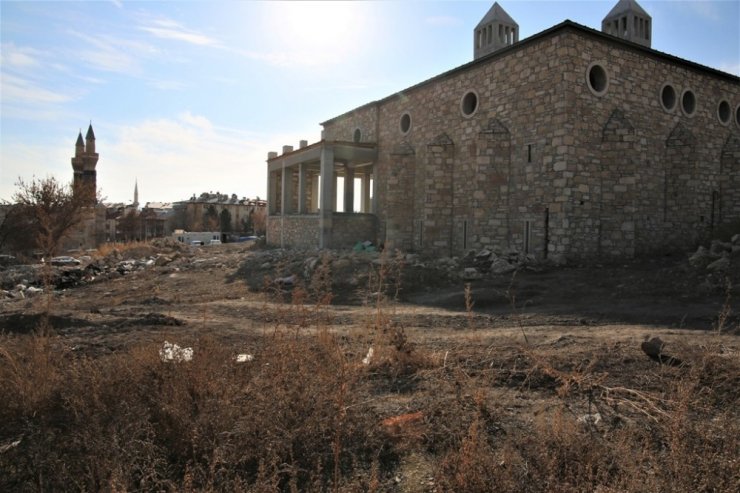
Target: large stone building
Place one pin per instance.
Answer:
(573, 142)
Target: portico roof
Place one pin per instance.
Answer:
(352, 154)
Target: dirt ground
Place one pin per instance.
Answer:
(573, 317)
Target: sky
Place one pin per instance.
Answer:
(189, 96)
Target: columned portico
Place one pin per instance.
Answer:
(302, 194)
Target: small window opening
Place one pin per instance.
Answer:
(724, 112)
(737, 116)
(598, 80)
(357, 135)
(527, 235)
(421, 233)
(529, 153)
(405, 123)
(465, 235)
(688, 102)
(469, 103)
(668, 97)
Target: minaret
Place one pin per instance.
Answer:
(83, 165)
(628, 21)
(495, 31)
(136, 194)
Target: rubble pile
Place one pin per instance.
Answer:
(716, 261)
(23, 281)
(353, 272)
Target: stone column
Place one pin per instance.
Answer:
(271, 192)
(287, 191)
(326, 207)
(349, 189)
(365, 202)
(314, 193)
(302, 188)
(374, 176)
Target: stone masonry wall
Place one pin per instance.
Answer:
(297, 231)
(348, 229)
(471, 191)
(546, 165)
(343, 128)
(655, 173)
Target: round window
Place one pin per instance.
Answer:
(688, 102)
(469, 103)
(405, 123)
(597, 79)
(668, 97)
(724, 112)
(357, 136)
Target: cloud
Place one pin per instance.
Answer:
(20, 90)
(113, 54)
(172, 158)
(443, 21)
(171, 30)
(18, 57)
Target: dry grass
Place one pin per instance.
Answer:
(307, 415)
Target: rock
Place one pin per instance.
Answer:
(369, 357)
(591, 418)
(501, 266)
(484, 254)
(700, 258)
(653, 348)
(170, 352)
(557, 259)
(32, 291)
(735, 239)
(266, 265)
(341, 263)
(286, 281)
(162, 261)
(471, 274)
(719, 265)
(719, 247)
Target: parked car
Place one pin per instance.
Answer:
(64, 260)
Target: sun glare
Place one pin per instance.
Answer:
(316, 29)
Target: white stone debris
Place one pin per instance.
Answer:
(244, 357)
(593, 419)
(170, 352)
(368, 358)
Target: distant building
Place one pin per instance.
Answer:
(206, 212)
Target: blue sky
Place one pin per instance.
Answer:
(189, 96)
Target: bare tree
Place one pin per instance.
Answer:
(45, 211)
